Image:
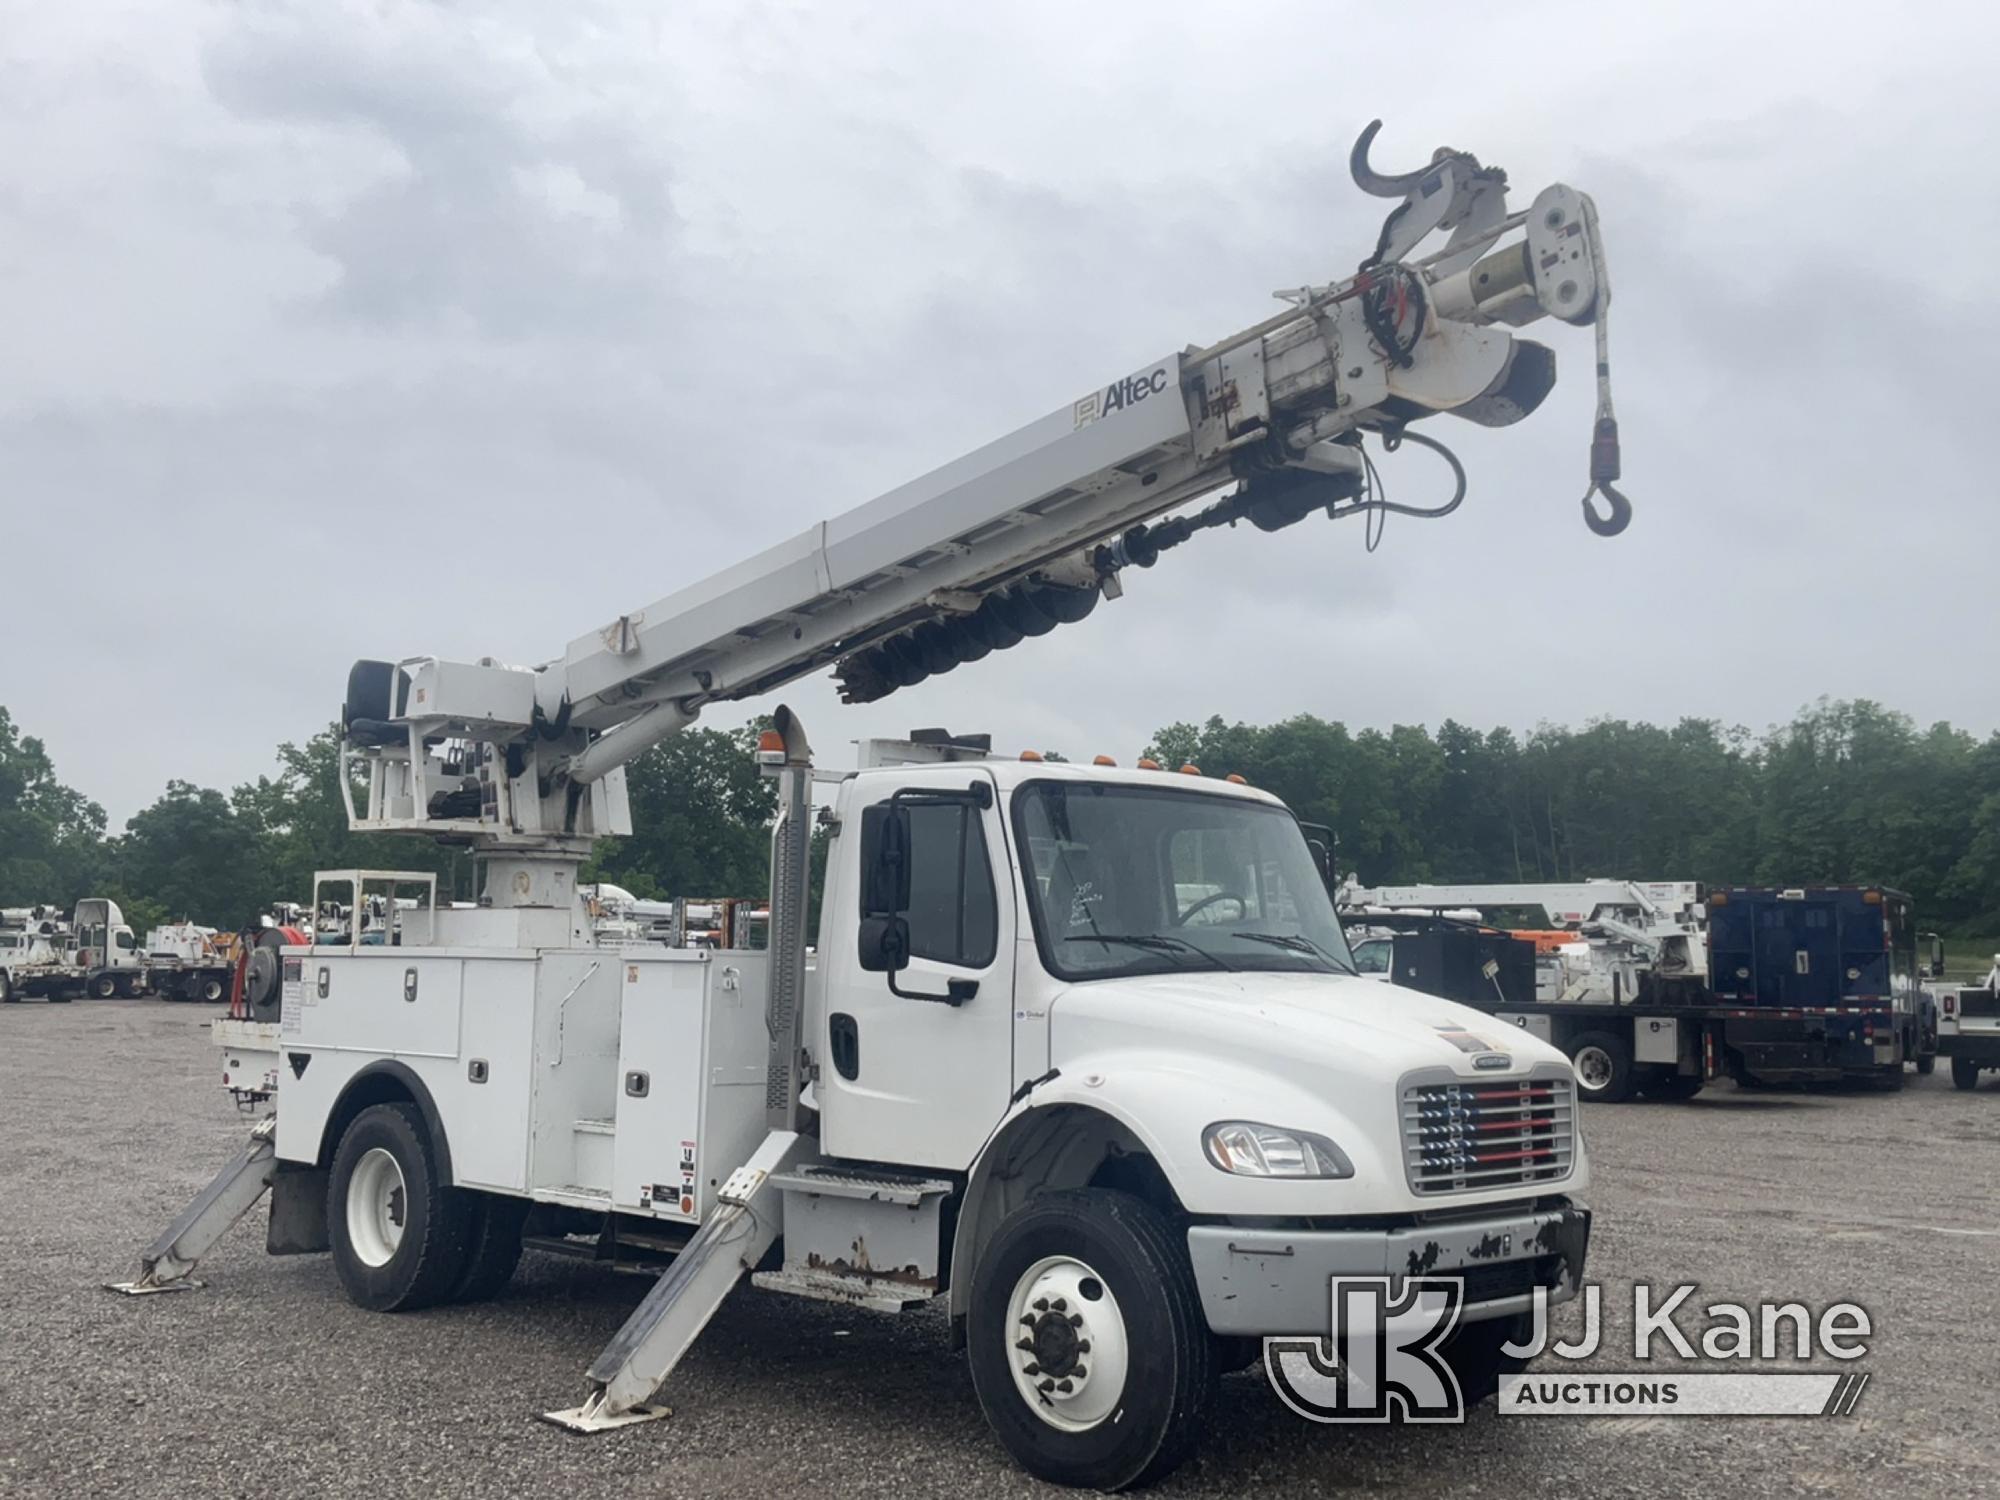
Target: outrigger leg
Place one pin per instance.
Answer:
(644, 1352)
(216, 1208)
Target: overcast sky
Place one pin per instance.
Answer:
(339, 330)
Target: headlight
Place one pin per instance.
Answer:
(1251, 1150)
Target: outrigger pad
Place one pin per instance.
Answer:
(143, 1288)
(589, 1418)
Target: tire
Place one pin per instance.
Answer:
(1926, 1064)
(1964, 1073)
(103, 987)
(7, 995)
(1606, 1057)
(128, 986)
(1476, 1359)
(1058, 1247)
(1673, 1088)
(493, 1246)
(208, 990)
(398, 1231)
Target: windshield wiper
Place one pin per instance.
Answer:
(1297, 942)
(1156, 942)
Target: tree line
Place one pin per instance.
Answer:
(1846, 791)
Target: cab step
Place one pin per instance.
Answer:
(882, 1187)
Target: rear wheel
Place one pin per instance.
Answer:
(1926, 1064)
(1964, 1073)
(209, 989)
(399, 1232)
(128, 986)
(493, 1246)
(104, 986)
(1088, 1347)
(1603, 1063)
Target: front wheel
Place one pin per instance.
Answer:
(399, 1231)
(1603, 1063)
(1088, 1347)
(104, 986)
(1964, 1073)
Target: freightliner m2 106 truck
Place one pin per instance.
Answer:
(1082, 1052)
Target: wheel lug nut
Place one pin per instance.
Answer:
(1064, 1385)
(1079, 1372)
(1031, 1368)
(1027, 1322)
(1076, 1320)
(1083, 1346)
(1046, 1385)
(1025, 1345)
(1059, 1305)
(1041, 1304)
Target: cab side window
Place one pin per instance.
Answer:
(954, 914)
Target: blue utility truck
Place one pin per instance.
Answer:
(1814, 984)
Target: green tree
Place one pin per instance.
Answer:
(51, 837)
(701, 819)
(191, 855)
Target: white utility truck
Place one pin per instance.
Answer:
(1082, 1051)
(37, 953)
(185, 961)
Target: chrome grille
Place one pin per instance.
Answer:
(1464, 1137)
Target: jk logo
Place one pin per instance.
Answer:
(1381, 1363)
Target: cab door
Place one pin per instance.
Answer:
(916, 1066)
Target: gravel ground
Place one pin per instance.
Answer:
(269, 1382)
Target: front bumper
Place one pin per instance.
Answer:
(1277, 1281)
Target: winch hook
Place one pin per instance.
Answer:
(1603, 474)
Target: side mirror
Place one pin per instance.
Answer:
(884, 944)
(885, 842)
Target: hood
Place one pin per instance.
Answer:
(1353, 1023)
(1171, 1054)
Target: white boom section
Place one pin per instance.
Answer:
(1567, 903)
(1013, 539)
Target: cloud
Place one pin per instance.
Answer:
(350, 329)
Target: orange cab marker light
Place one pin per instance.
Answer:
(1190, 770)
(771, 740)
(1102, 760)
(1148, 765)
(1031, 755)
(1237, 780)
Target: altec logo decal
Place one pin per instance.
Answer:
(1120, 394)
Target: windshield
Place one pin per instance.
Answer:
(1130, 879)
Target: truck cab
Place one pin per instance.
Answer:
(108, 958)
